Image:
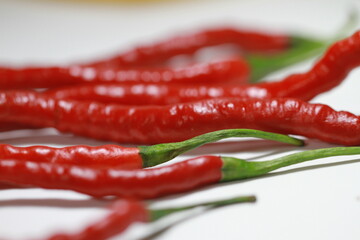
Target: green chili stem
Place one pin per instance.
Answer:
(160, 153)
(235, 169)
(301, 49)
(159, 213)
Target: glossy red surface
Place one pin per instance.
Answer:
(101, 156)
(170, 123)
(100, 182)
(231, 70)
(326, 74)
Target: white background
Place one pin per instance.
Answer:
(318, 200)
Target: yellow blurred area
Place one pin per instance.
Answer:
(120, 1)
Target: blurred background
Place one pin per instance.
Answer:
(35, 31)
(64, 32)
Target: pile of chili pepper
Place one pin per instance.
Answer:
(264, 52)
(147, 183)
(147, 64)
(126, 211)
(115, 156)
(328, 72)
(153, 182)
(141, 100)
(153, 124)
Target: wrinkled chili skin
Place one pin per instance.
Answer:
(106, 155)
(171, 123)
(230, 70)
(99, 182)
(326, 74)
(123, 213)
(157, 53)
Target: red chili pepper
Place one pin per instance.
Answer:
(156, 124)
(154, 182)
(122, 214)
(99, 182)
(298, 49)
(130, 157)
(187, 44)
(43, 77)
(125, 212)
(231, 70)
(106, 155)
(326, 74)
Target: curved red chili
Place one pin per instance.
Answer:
(171, 123)
(124, 212)
(154, 54)
(143, 183)
(109, 71)
(154, 182)
(326, 74)
(231, 70)
(128, 157)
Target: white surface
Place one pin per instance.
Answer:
(310, 203)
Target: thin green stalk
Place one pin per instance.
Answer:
(302, 48)
(156, 214)
(235, 169)
(160, 153)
